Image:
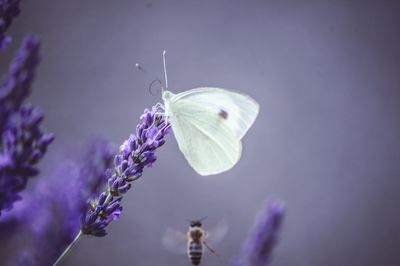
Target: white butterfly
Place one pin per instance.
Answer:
(208, 124)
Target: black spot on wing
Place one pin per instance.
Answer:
(223, 114)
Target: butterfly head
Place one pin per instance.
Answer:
(166, 95)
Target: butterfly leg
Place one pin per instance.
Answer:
(166, 120)
(160, 106)
(160, 109)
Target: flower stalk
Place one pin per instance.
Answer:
(68, 249)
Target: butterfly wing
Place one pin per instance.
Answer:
(209, 146)
(240, 110)
(208, 124)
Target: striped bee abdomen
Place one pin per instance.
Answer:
(195, 251)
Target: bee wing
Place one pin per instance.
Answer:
(217, 232)
(175, 241)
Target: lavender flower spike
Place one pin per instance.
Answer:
(22, 141)
(9, 9)
(135, 154)
(257, 251)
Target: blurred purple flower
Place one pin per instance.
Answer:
(53, 210)
(17, 84)
(23, 143)
(257, 250)
(135, 154)
(9, 9)
(89, 180)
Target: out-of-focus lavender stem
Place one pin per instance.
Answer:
(263, 238)
(68, 249)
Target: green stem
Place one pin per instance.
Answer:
(68, 249)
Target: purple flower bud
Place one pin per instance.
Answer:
(34, 118)
(115, 215)
(102, 198)
(123, 189)
(148, 158)
(108, 173)
(147, 118)
(118, 159)
(132, 171)
(9, 9)
(5, 161)
(139, 130)
(160, 143)
(35, 157)
(152, 133)
(134, 177)
(9, 138)
(47, 139)
(112, 207)
(123, 166)
(124, 148)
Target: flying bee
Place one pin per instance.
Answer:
(195, 239)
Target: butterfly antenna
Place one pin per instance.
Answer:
(140, 68)
(151, 89)
(151, 86)
(165, 70)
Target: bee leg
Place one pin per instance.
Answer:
(210, 248)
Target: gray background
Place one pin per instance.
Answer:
(326, 74)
